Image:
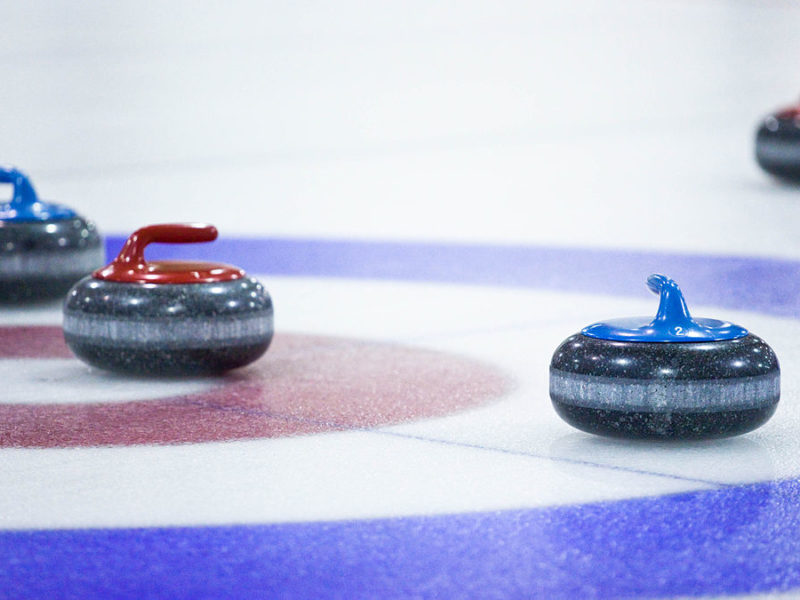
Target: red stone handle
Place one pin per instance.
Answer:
(168, 233)
(130, 265)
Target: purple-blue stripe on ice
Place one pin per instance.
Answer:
(736, 540)
(729, 541)
(765, 285)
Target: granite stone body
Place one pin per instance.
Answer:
(41, 260)
(669, 390)
(168, 329)
(778, 145)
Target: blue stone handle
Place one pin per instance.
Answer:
(672, 322)
(25, 205)
(673, 314)
(24, 194)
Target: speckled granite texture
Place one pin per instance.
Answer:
(168, 329)
(42, 260)
(665, 390)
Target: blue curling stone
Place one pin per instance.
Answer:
(44, 247)
(668, 377)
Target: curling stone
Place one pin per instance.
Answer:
(778, 144)
(672, 377)
(44, 248)
(168, 317)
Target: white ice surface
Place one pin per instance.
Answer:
(67, 381)
(576, 123)
(570, 123)
(511, 453)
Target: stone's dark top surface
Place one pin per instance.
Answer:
(48, 236)
(743, 357)
(142, 302)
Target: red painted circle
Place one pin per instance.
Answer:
(305, 384)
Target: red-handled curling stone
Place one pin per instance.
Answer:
(168, 317)
(778, 143)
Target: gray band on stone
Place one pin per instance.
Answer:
(183, 333)
(614, 393)
(780, 150)
(63, 263)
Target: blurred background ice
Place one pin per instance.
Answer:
(593, 123)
